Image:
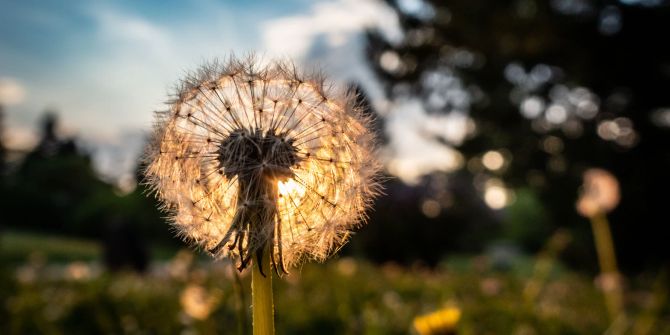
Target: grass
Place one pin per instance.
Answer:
(185, 294)
(18, 246)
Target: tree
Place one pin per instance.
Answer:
(59, 180)
(554, 88)
(3, 149)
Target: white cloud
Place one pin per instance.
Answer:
(19, 138)
(126, 36)
(127, 27)
(294, 35)
(11, 92)
(330, 35)
(414, 154)
(116, 158)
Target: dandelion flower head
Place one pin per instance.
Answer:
(599, 194)
(250, 155)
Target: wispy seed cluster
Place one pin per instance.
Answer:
(250, 155)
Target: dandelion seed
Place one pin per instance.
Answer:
(249, 156)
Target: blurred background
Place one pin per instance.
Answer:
(490, 113)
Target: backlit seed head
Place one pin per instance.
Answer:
(599, 193)
(250, 155)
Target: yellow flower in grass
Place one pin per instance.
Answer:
(443, 321)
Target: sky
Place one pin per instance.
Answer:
(104, 66)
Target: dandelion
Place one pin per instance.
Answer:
(599, 196)
(600, 193)
(263, 164)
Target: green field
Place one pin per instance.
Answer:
(57, 286)
(18, 246)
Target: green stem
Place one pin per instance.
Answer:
(261, 295)
(604, 244)
(608, 265)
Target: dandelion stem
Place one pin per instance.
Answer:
(261, 295)
(604, 245)
(608, 265)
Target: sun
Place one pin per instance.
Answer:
(291, 188)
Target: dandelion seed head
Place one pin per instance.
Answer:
(599, 194)
(249, 155)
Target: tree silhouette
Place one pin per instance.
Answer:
(3, 149)
(557, 87)
(59, 180)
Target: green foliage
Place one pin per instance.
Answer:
(18, 246)
(526, 220)
(63, 187)
(343, 296)
(54, 188)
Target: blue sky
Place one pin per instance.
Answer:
(84, 57)
(105, 65)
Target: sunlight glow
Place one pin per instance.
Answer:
(291, 188)
(493, 160)
(496, 195)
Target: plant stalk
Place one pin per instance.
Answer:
(604, 245)
(261, 295)
(608, 265)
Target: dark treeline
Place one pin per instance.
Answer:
(558, 86)
(54, 189)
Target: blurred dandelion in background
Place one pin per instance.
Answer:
(599, 196)
(197, 302)
(600, 193)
